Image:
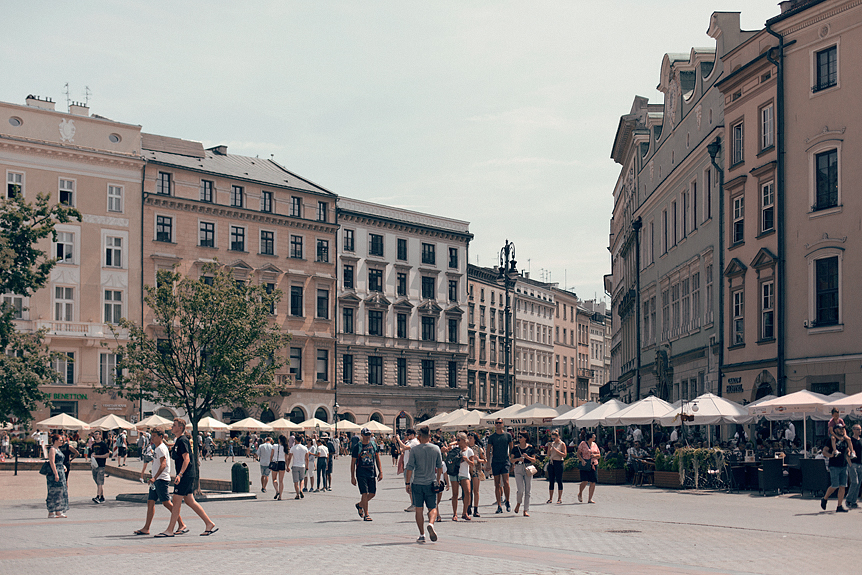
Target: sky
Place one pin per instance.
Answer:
(498, 113)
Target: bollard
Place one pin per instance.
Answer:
(239, 478)
(16, 460)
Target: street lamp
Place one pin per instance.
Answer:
(508, 273)
(336, 419)
(462, 401)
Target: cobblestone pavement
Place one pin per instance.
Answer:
(628, 531)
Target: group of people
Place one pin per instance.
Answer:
(302, 456)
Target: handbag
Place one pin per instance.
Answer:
(531, 470)
(273, 462)
(482, 475)
(45, 469)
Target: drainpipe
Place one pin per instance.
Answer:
(779, 208)
(141, 250)
(713, 150)
(636, 227)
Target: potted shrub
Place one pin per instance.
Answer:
(612, 469)
(570, 470)
(666, 471)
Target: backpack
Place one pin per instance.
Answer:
(453, 460)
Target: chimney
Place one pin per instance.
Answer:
(79, 109)
(37, 102)
(219, 150)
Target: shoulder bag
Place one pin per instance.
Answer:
(273, 459)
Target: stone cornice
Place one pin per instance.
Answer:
(380, 222)
(72, 154)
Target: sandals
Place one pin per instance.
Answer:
(549, 501)
(182, 531)
(466, 517)
(162, 535)
(141, 532)
(367, 518)
(580, 497)
(209, 532)
(454, 518)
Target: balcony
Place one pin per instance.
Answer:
(586, 373)
(79, 329)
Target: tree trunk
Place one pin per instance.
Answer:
(196, 448)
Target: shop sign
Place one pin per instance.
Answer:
(114, 406)
(734, 385)
(69, 396)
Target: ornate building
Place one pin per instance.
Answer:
(486, 325)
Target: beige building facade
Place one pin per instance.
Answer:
(565, 349)
(534, 315)
(486, 333)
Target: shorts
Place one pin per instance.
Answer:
(474, 473)
(367, 485)
(98, 475)
(121, 451)
(281, 465)
(298, 473)
(186, 485)
(159, 491)
(424, 495)
(264, 470)
(589, 475)
(500, 468)
(463, 478)
(838, 475)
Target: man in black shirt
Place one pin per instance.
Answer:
(840, 453)
(855, 469)
(364, 457)
(100, 454)
(499, 446)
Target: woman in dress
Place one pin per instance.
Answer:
(479, 464)
(588, 460)
(58, 494)
(522, 455)
(557, 453)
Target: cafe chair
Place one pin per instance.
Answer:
(770, 475)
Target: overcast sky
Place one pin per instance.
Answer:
(498, 113)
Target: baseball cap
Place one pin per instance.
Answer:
(365, 431)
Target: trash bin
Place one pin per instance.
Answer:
(239, 478)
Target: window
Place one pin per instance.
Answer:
(674, 223)
(767, 310)
(767, 127)
(349, 242)
(737, 153)
(347, 320)
(707, 194)
(163, 184)
(665, 315)
(471, 314)
(296, 207)
(557, 365)
(64, 303)
(428, 287)
(827, 69)
(664, 230)
(375, 370)
(115, 198)
(113, 252)
(708, 309)
(674, 308)
(237, 239)
(401, 325)
(16, 304)
(207, 280)
(236, 196)
(684, 214)
(471, 346)
(296, 363)
(322, 208)
(375, 322)
(322, 365)
(267, 243)
(401, 249)
(375, 245)
(767, 207)
(402, 371)
(428, 372)
(401, 286)
(113, 306)
(67, 192)
(348, 277)
(296, 301)
(693, 195)
(375, 279)
(453, 258)
(429, 329)
(738, 229)
(453, 290)
(65, 367)
(266, 201)
(428, 254)
(65, 247)
(453, 330)
(453, 374)
(164, 229)
(323, 251)
(695, 300)
(323, 304)
(296, 247)
(270, 287)
(108, 371)
(826, 177)
(826, 286)
(206, 191)
(206, 235)
(14, 184)
(347, 368)
(738, 321)
(686, 304)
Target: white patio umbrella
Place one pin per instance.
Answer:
(434, 420)
(348, 426)
(563, 408)
(648, 410)
(506, 411)
(850, 405)
(313, 424)
(798, 405)
(711, 410)
(283, 424)
(376, 427)
(470, 420)
(154, 422)
(439, 421)
(600, 415)
(572, 415)
(63, 421)
(532, 415)
(209, 424)
(111, 422)
(250, 424)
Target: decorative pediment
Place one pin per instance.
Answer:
(429, 307)
(735, 268)
(240, 269)
(763, 259)
(377, 299)
(454, 309)
(403, 303)
(349, 298)
(270, 269)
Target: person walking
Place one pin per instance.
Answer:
(230, 450)
(70, 452)
(463, 478)
(556, 453)
(160, 480)
(297, 460)
(476, 469)
(322, 464)
(420, 475)
(330, 458)
(363, 459)
(264, 456)
(588, 460)
(184, 483)
(523, 454)
(57, 500)
(122, 449)
(279, 454)
(499, 446)
(855, 469)
(405, 449)
(99, 456)
(840, 454)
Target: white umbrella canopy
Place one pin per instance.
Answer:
(111, 422)
(572, 415)
(711, 410)
(503, 413)
(471, 420)
(348, 426)
(209, 424)
(154, 422)
(796, 405)
(283, 424)
(433, 420)
(648, 410)
(313, 423)
(536, 414)
(63, 421)
(439, 421)
(249, 424)
(376, 427)
(850, 405)
(600, 415)
(563, 408)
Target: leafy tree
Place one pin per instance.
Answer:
(212, 344)
(24, 268)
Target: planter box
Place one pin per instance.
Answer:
(611, 476)
(667, 479)
(572, 476)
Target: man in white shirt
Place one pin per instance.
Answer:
(264, 456)
(637, 435)
(160, 478)
(790, 432)
(297, 460)
(673, 436)
(312, 466)
(322, 463)
(406, 447)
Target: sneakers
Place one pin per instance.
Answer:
(302, 495)
(263, 490)
(854, 505)
(508, 509)
(420, 539)
(305, 489)
(499, 509)
(823, 504)
(101, 498)
(841, 509)
(432, 532)
(476, 512)
(411, 508)
(96, 500)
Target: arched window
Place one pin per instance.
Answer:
(377, 417)
(267, 416)
(297, 415)
(321, 414)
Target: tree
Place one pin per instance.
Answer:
(24, 268)
(213, 344)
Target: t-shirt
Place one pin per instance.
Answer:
(499, 443)
(264, 453)
(424, 463)
(411, 444)
(464, 470)
(278, 453)
(330, 448)
(518, 453)
(322, 451)
(182, 447)
(838, 456)
(364, 453)
(161, 453)
(298, 451)
(101, 448)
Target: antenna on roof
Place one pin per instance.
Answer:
(68, 97)
(87, 94)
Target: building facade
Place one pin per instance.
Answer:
(533, 315)
(565, 349)
(402, 296)
(486, 333)
(598, 361)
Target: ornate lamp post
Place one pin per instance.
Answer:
(508, 273)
